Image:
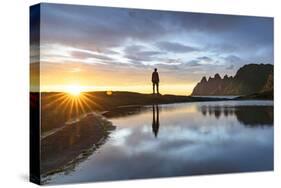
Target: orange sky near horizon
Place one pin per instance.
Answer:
(58, 77)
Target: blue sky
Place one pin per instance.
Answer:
(125, 45)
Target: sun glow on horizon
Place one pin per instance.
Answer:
(73, 101)
(74, 90)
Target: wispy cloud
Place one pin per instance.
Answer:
(175, 47)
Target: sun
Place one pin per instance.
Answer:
(74, 90)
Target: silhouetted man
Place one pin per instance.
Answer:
(155, 81)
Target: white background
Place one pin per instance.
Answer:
(14, 80)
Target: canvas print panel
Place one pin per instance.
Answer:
(131, 94)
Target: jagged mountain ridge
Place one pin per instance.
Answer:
(249, 79)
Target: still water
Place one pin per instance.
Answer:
(182, 139)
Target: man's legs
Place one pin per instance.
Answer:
(153, 85)
(157, 86)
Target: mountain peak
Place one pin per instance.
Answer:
(217, 76)
(225, 77)
(249, 79)
(203, 79)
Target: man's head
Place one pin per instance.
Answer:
(155, 70)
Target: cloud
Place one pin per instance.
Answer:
(193, 63)
(97, 28)
(86, 55)
(109, 51)
(230, 67)
(174, 61)
(205, 58)
(137, 53)
(133, 49)
(175, 47)
(232, 59)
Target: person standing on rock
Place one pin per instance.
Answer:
(155, 81)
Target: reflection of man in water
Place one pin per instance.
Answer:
(155, 81)
(155, 122)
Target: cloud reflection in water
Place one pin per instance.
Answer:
(192, 139)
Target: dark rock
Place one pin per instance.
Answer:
(269, 84)
(203, 80)
(217, 77)
(249, 79)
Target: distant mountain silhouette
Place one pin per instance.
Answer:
(249, 79)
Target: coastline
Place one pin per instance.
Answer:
(75, 142)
